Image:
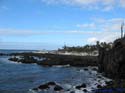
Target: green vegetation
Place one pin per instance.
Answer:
(86, 48)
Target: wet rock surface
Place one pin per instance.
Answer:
(44, 86)
(85, 90)
(81, 86)
(65, 88)
(24, 59)
(48, 85)
(58, 88)
(99, 86)
(51, 83)
(115, 86)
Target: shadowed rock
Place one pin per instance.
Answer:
(86, 69)
(95, 69)
(24, 59)
(44, 86)
(112, 61)
(81, 86)
(85, 90)
(13, 59)
(72, 92)
(58, 88)
(99, 86)
(35, 89)
(51, 83)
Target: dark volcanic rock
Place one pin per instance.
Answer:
(51, 83)
(81, 86)
(27, 59)
(24, 59)
(44, 86)
(109, 83)
(13, 59)
(86, 69)
(99, 76)
(72, 92)
(53, 59)
(99, 86)
(112, 62)
(56, 59)
(85, 90)
(58, 88)
(78, 87)
(35, 88)
(2, 54)
(95, 69)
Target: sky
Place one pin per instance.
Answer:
(51, 24)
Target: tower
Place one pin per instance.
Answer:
(122, 30)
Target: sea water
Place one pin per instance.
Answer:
(22, 78)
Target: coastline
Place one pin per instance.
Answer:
(103, 61)
(55, 59)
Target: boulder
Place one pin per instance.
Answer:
(58, 88)
(72, 92)
(51, 83)
(99, 86)
(81, 86)
(44, 86)
(85, 90)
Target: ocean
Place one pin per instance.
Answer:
(22, 78)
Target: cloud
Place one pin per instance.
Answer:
(99, 29)
(122, 3)
(105, 36)
(108, 30)
(13, 32)
(29, 45)
(101, 24)
(71, 2)
(91, 25)
(104, 30)
(103, 5)
(92, 40)
(16, 32)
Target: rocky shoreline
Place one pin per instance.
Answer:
(54, 59)
(97, 82)
(111, 62)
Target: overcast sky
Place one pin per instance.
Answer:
(49, 24)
